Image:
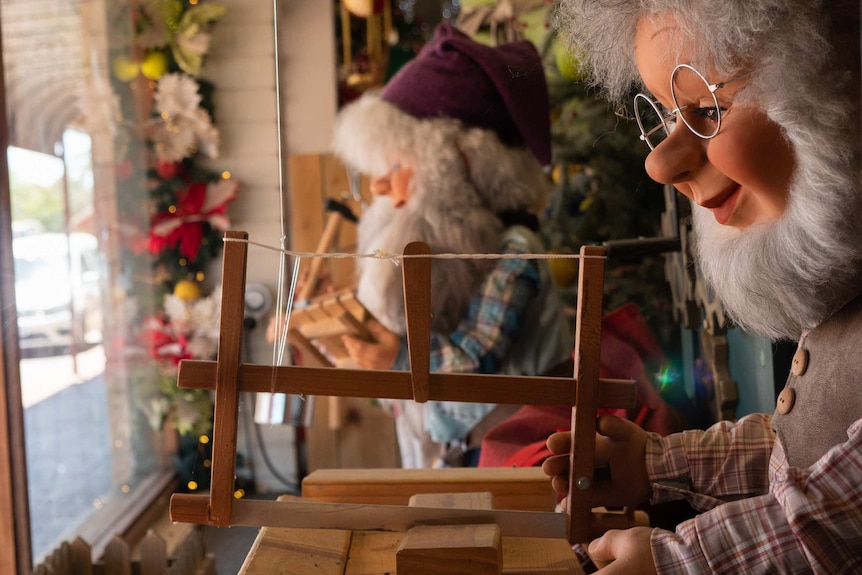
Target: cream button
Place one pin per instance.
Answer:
(786, 399)
(800, 362)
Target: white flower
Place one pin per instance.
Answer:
(177, 95)
(183, 128)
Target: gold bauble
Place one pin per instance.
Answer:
(187, 290)
(124, 68)
(155, 65)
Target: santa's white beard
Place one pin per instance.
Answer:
(386, 228)
(774, 279)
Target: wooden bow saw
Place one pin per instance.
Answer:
(227, 377)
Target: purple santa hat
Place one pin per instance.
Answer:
(500, 88)
(456, 82)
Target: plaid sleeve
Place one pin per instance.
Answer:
(494, 318)
(810, 522)
(727, 461)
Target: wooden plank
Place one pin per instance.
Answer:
(313, 179)
(417, 308)
(298, 552)
(340, 516)
(306, 200)
(227, 388)
(532, 390)
(524, 488)
(118, 558)
(465, 500)
(154, 555)
(588, 333)
(81, 557)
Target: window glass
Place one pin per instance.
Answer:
(78, 195)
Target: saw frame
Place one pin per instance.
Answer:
(227, 377)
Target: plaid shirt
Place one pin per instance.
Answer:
(493, 322)
(759, 514)
(481, 342)
(494, 319)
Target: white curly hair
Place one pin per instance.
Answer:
(781, 277)
(463, 178)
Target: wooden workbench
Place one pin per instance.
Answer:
(333, 552)
(330, 552)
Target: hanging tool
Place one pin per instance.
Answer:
(338, 211)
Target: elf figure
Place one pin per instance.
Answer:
(454, 145)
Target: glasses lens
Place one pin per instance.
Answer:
(697, 103)
(649, 119)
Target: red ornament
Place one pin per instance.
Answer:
(199, 203)
(168, 170)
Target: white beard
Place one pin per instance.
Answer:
(777, 278)
(453, 282)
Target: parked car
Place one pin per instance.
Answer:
(57, 292)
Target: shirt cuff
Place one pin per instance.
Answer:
(667, 468)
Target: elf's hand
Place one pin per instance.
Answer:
(380, 354)
(624, 552)
(620, 447)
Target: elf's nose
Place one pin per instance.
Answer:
(677, 158)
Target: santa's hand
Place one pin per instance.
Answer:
(380, 354)
(557, 466)
(624, 552)
(620, 450)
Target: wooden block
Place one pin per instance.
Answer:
(522, 488)
(351, 304)
(467, 500)
(539, 556)
(315, 312)
(373, 553)
(298, 552)
(451, 550)
(325, 327)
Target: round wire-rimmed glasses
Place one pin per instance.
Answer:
(701, 113)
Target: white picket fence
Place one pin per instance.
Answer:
(188, 558)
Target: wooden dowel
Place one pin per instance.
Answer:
(526, 390)
(311, 279)
(417, 307)
(588, 334)
(226, 378)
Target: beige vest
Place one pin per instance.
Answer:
(823, 393)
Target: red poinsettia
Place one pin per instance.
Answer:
(163, 342)
(197, 204)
